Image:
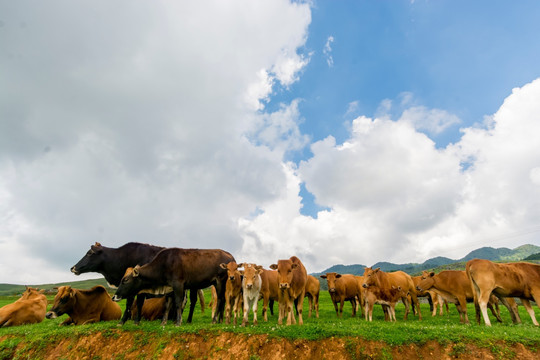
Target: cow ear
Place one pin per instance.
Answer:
(323, 276)
(294, 265)
(377, 269)
(42, 291)
(223, 266)
(431, 274)
(273, 266)
(136, 271)
(97, 244)
(55, 288)
(259, 267)
(240, 265)
(338, 275)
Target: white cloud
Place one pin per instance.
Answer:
(327, 51)
(434, 121)
(127, 122)
(395, 197)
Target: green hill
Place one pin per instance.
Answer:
(10, 289)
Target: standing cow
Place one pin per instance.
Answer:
(30, 308)
(233, 291)
(342, 288)
(313, 288)
(251, 288)
(269, 291)
(180, 269)
(292, 277)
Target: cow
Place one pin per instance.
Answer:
(251, 287)
(454, 287)
(292, 278)
(436, 301)
(113, 262)
(505, 281)
(233, 291)
(158, 303)
(342, 288)
(388, 298)
(84, 306)
(180, 269)
(386, 280)
(269, 291)
(313, 288)
(30, 308)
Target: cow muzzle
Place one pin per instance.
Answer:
(284, 285)
(332, 290)
(231, 278)
(74, 270)
(364, 286)
(116, 298)
(51, 315)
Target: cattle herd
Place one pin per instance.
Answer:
(158, 278)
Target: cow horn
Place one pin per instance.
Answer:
(97, 244)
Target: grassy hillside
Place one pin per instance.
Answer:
(10, 289)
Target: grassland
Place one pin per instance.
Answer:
(444, 329)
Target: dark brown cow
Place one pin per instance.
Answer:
(454, 287)
(385, 281)
(233, 291)
(505, 281)
(292, 278)
(388, 298)
(84, 306)
(313, 288)
(30, 308)
(269, 291)
(181, 269)
(342, 288)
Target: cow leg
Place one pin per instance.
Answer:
(300, 308)
(265, 306)
(530, 310)
(193, 294)
(512, 308)
(255, 308)
(317, 305)
(353, 304)
(341, 303)
(245, 320)
(334, 301)
(220, 290)
(168, 306)
(432, 304)
(494, 310)
(179, 293)
(127, 312)
(310, 300)
(406, 303)
(140, 304)
(483, 300)
(271, 306)
(415, 303)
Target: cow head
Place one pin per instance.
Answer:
(426, 283)
(232, 269)
(285, 272)
(63, 302)
(250, 275)
(371, 277)
(331, 278)
(131, 284)
(91, 262)
(31, 293)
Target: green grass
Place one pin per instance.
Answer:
(443, 329)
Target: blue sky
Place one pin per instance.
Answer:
(342, 132)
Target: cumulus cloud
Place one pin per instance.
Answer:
(393, 196)
(131, 121)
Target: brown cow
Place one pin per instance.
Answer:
(385, 281)
(505, 281)
(30, 308)
(84, 306)
(453, 286)
(342, 288)
(292, 278)
(233, 291)
(269, 291)
(435, 299)
(313, 287)
(388, 298)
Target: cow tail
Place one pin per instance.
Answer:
(201, 299)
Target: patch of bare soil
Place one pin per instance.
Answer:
(140, 345)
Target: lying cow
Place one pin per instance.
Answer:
(385, 281)
(233, 291)
(180, 269)
(251, 287)
(84, 306)
(505, 281)
(454, 287)
(388, 298)
(30, 308)
(292, 278)
(342, 288)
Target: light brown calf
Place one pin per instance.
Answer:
(30, 308)
(233, 291)
(292, 278)
(342, 288)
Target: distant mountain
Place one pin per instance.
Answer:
(10, 289)
(489, 253)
